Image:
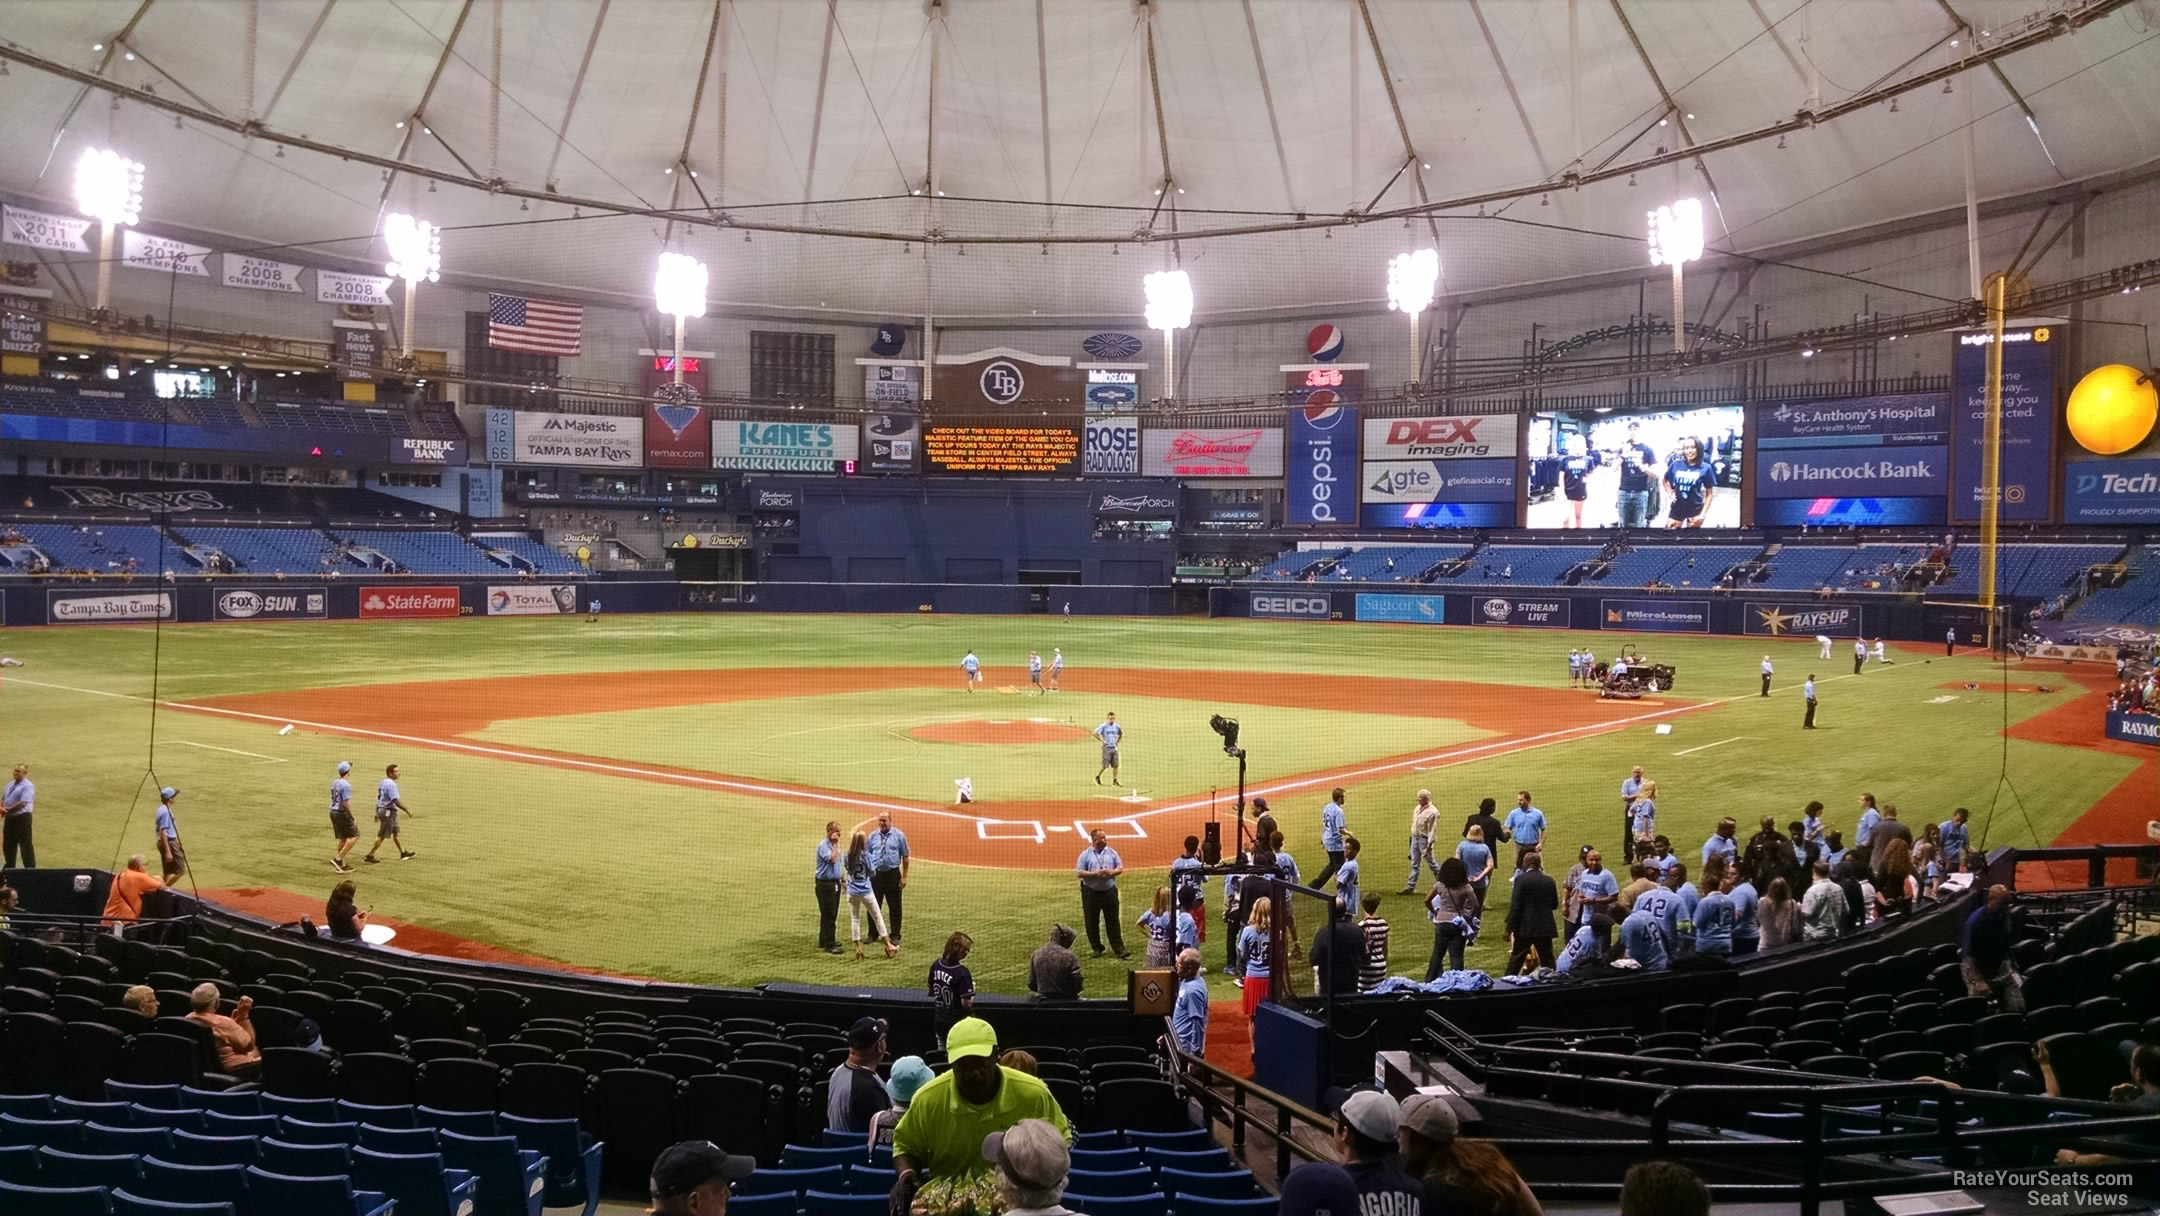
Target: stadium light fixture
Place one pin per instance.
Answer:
(416, 257)
(679, 289)
(1676, 238)
(108, 189)
(1169, 309)
(1411, 278)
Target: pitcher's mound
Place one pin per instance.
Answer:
(997, 732)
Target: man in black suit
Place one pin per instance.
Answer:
(1530, 915)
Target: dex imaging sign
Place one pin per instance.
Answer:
(1289, 605)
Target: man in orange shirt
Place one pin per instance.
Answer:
(235, 1035)
(128, 888)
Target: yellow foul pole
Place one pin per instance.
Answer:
(1991, 460)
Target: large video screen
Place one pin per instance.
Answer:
(1657, 468)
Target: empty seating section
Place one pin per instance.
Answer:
(2136, 601)
(268, 550)
(1808, 567)
(2035, 570)
(1881, 567)
(21, 398)
(1678, 565)
(117, 404)
(326, 416)
(96, 548)
(217, 411)
(1527, 565)
(1296, 563)
(426, 552)
(544, 559)
(1395, 563)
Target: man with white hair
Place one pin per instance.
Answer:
(1188, 1017)
(1031, 1164)
(1424, 818)
(234, 1036)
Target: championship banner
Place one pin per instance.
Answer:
(1657, 616)
(778, 446)
(1783, 621)
(597, 440)
(271, 604)
(1465, 437)
(141, 251)
(337, 287)
(891, 443)
(2028, 420)
(1402, 609)
(68, 608)
(1534, 613)
(532, 599)
(408, 603)
(40, 230)
(1320, 484)
(1212, 452)
(260, 274)
(678, 437)
(1111, 447)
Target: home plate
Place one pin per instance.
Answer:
(1135, 796)
(1056, 827)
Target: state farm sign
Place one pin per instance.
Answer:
(407, 603)
(1451, 438)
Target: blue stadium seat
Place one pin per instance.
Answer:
(53, 1201)
(1227, 1184)
(303, 1160)
(822, 1178)
(223, 1101)
(378, 1116)
(1098, 1140)
(1118, 1205)
(1213, 1159)
(64, 1169)
(39, 1106)
(177, 1120)
(191, 1149)
(1136, 1181)
(165, 1097)
(314, 1110)
(825, 1203)
(175, 1182)
(803, 1157)
(463, 1122)
(19, 1163)
(127, 1204)
(400, 1139)
(419, 1182)
(218, 1124)
(779, 1203)
(304, 1131)
(1124, 1157)
(328, 1196)
(511, 1179)
(102, 1138)
(38, 1133)
(871, 1179)
(109, 1113)
(573, 1158)
(1189, 1140)
(1202, 1205)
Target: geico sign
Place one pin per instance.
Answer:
(1264, 604)
(1438, 437)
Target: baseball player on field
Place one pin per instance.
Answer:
(1057, 667)
(971, 670)
(1110, 733)
(1035, 671)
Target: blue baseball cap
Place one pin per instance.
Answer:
(168, 793)
(344, 767)
(909, 1074)
(1319, 1188)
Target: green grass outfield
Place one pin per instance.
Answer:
(713, 886)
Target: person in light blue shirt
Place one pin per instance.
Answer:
(343, 828)
(1723, 843)
(1598, 893)
(1057, 664)
(1747, 932)
(18, 800)
(970, 670)
(1035, 671)
(828, 879)
(888, 852)
(1111, 734)
(1661, 859)
(1864, 831)
(1346, 879)
(1642, 818)
(168, 837)
(1587, 946)
(1643, 937)
(1188, 922)
(1099, 867)
(1190, 883)
(1811, 823)
(1956, 838)
(1525, 825)
(1663, 907)
(1678, 913)
(1715, 922)
(1477, 858)
(1833, 848)
(1332, 823)
(1188, 1016)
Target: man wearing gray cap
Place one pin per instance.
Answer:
(1054, 970)
(1458, 1175)
(1365, 1130)
(1031, 1163)
(691, 1179)
(168, 837)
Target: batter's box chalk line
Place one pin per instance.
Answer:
(1134, 796)
(1025, 829)
(1133, 830)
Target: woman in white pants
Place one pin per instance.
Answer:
(860, 900)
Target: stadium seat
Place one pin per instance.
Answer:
(407, 1140)
(53, 1201)
(1213, 1159)
(823, 1202)
(164, 1097)
(1136, 1181)
(463, 1122)
(111, 1113)
(214, 1123)
(804, 1157)
(736, 1113)
(1202, 1205)
(453, 1084)
(1143, 1105)
(64, 1169)
(174, 1182)
(1214, 1185)
(509, 1055)
(19, 1164)
(419, 1182)
(376, 1078)
(299, 1196)
(1187, 1139)
(873, 1179)
(779, 1203)
(314, 1110)
(1122, 1158)
(379, 1116)
(29, 1106)
(125, 1203)
(188, 1148)
(140, 1141)
(34, 1057)
(303, 1160)
(510, 1180)
(545, 1091)
(41, 1133)
(1908, 1065)
(1152, 1204)
(305, 1131)
(574, 1159)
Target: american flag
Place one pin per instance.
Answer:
(541, 327)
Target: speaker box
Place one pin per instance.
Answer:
(1211, 843)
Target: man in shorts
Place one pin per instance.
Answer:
(170, 854)
(1110, 733)
(971, 670)
(341, 820)
(1035, 671)
(388, 806)
(1057, 666)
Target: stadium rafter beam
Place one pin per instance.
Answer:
(1673, 108)
(577, 87)
(817, 112)
(1267, 101)
(90, 80)
(292, 69)
(1411, 161)
(419, 120)
(2037, 30)
(697, 104)
(2002, 78)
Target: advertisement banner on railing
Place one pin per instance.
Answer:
(1657, 616)
(403, 603)
(677, 436)
(2111, 492)
(1289, 605)
(1212, 452)
(1802, 621)
(73, 608)
(271, 604)
(1402, 609)
(1111, 447)
(891, 443)
(1320, 482)
(532, 599)
(1536, 613)
(590, 440)
(2028, 419)
(2133, 728)
(781, 446)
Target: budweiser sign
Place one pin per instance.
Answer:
(1212, 452)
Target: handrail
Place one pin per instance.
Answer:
(1200, 1080)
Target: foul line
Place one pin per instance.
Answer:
(230, 750)
(1707, 746)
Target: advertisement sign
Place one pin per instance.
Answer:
(1322, 466)
(1533, 613)
(892, 382)
(1112, 390)
(597, 440)
(1437, 515)
(40, 230)
(2028, 419)
(1472, 437)
(1657, 616)
(1002, 378)
(1141, 503)
(891, 443)
(2133, 728)
(1001, 449)
(2111, 492)
(1111, 447)
(1402, 609)
(260, 274)
(1841, 512)
(141, 251)
(1317, 385)
(1853, 472)
(337, 287)
(407, 603)
(407, 449)
(358, 349)
(1911, 418)
(1803, 621)
(1289, 605)
(678, 436)
(1440, 481)
(1212, 452)
(71, 608)
(271, 604)
(762, 499)
(782, 447)
(533, 599)
(21, 333)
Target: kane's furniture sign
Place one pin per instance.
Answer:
(1289, 605)
(595, 440)
(69, 608)
(1536, 613)
(408, 603)
(782, 447)
(271, 604)
(1402, 609)
(1001, 449)
(532, 599)
(1657, 616)
(1785, 620)
(1212, 452)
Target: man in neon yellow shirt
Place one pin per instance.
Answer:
(943, 1130)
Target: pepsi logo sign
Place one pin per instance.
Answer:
(1324, 343)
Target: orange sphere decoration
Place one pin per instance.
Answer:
(2111, 411)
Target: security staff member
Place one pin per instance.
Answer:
(1859, 654)
(1766, 675)
(829, 851)
(1807, 690)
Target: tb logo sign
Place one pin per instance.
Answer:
(1002, 383)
